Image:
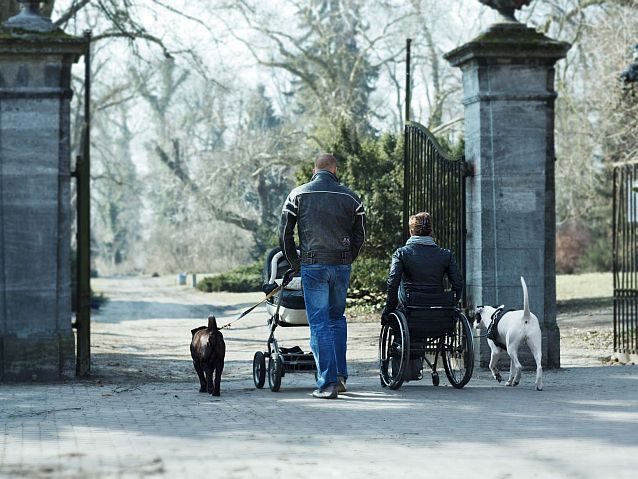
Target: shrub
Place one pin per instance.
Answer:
(368, 283)
(572, 239)
(597, 258)
(373, 168)
(578, 252)
(369, 275)
(240, 280)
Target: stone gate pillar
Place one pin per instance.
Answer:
(36, 340)
(508, 94)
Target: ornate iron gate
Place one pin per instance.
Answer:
(435, 182)
(625, 259)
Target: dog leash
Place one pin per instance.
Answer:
(268, 296)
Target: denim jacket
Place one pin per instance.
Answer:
(421, 265)
(330, 219)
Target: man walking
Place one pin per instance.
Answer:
(331, 226)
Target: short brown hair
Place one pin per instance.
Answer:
(420, 224)
(325, 161)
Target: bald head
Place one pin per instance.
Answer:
(324, 161)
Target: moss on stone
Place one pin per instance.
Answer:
(21, 34)
(511, 35)
(506, 42)
(45, 356)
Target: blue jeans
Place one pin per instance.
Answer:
(324, 290)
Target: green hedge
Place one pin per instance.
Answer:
(367, 283)
(370, 274)
(240, 280)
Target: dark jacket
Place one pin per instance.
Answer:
(331, 221)
(421, 268)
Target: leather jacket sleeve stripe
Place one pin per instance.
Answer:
(286, 238)
(358, 235)
(291, 205)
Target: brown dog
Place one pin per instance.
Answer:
(208, 350)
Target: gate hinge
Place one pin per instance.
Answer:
(78, 163)
(468, 168)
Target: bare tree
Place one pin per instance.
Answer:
(588, 101)
(333, 59)
(235, 178)
(116, 192)
(595, 118)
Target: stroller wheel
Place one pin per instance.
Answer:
(259, 370)
(275, 371)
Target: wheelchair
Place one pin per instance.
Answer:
(428, 327)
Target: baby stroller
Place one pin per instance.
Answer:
(286, 309)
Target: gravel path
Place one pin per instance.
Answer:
(140, 415)
(143, 331)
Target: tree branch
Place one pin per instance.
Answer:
(70, 13)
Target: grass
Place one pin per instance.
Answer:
(578, 292)
(584, 286)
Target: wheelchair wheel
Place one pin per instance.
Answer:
(458, 353)
(259, 370)
(275, 372)
(394, 350)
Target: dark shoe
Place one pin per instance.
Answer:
(341, 384)
(329, 393)
(415, 369)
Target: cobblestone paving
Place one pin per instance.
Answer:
(134, 419)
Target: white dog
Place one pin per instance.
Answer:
(513, 328)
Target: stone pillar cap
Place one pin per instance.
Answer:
(55, 42)
(509, 40)
(36, 45)
(29, 18)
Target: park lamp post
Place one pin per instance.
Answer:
(30, 18)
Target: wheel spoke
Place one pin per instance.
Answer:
(392, 352)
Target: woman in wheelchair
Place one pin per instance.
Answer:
(420, 319)
(419, 268)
